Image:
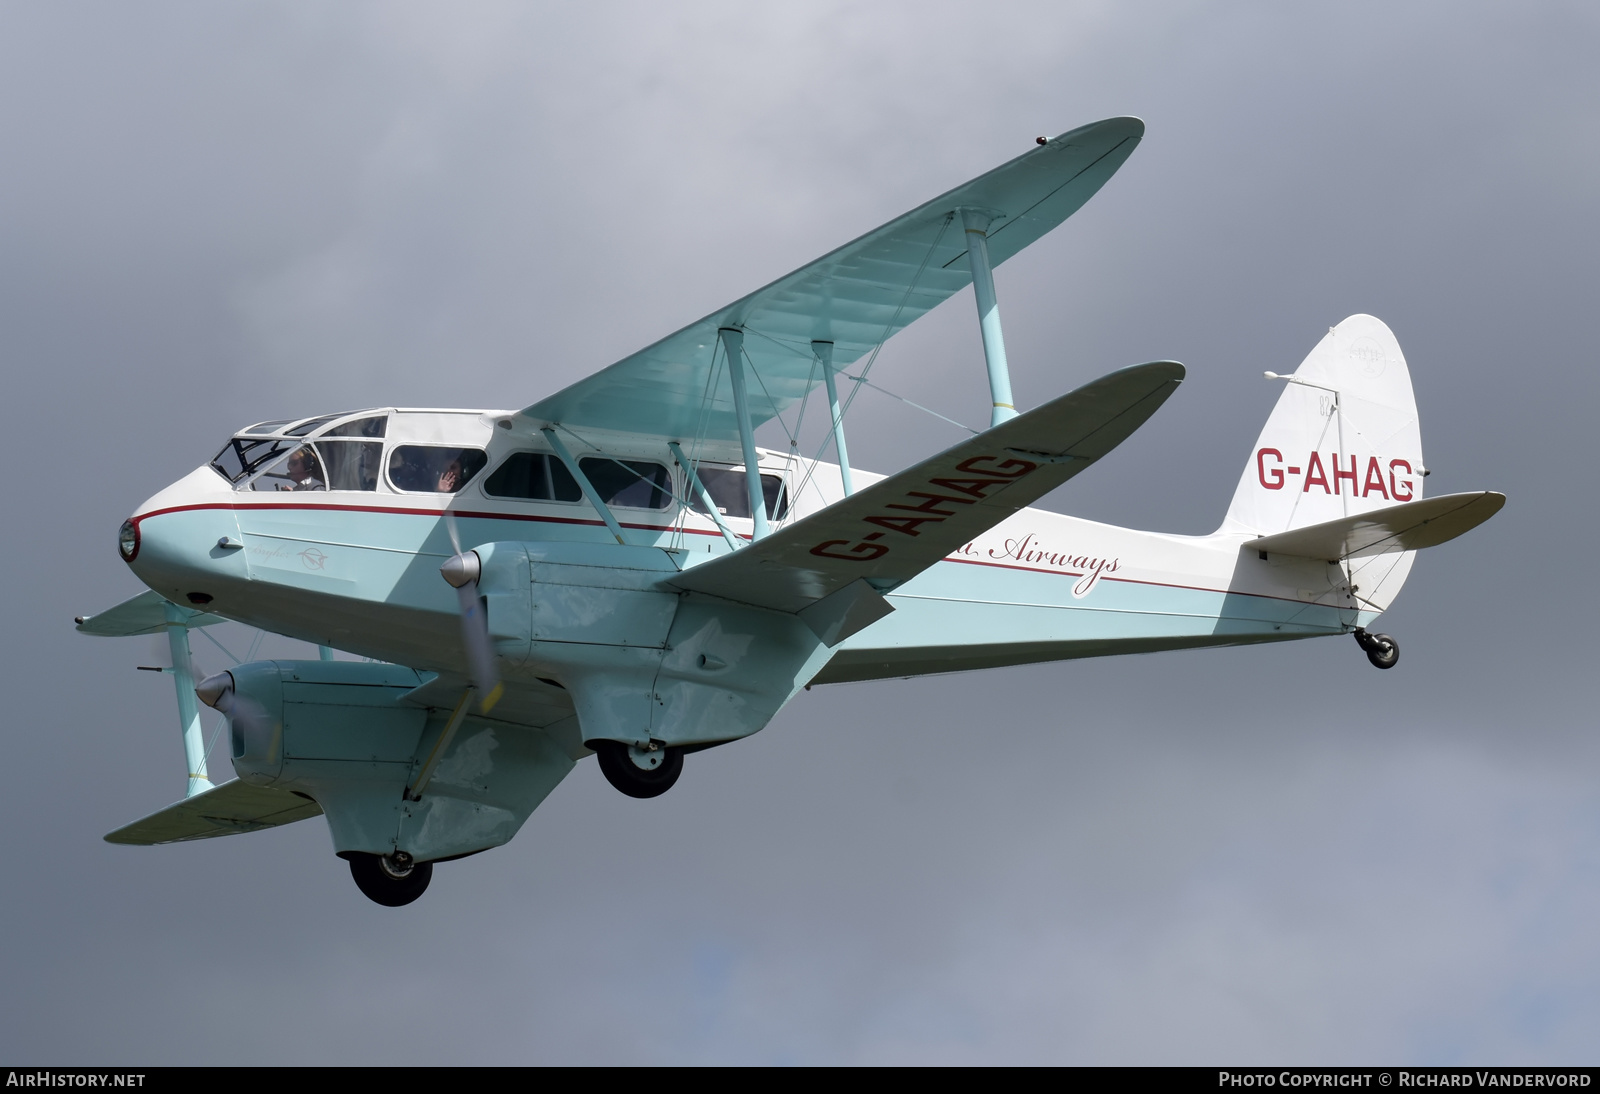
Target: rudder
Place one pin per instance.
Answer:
(1343, 438)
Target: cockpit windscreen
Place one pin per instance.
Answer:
(341, 459)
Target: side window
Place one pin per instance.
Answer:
(351, 465)
(536, 476)
(433, 469)
(727, 488)
(631, 483)
(297, 469)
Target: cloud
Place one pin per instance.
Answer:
(217, 215)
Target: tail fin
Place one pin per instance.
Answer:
(1343, 439)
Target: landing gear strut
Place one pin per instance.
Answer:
(638, 772)
(1382, 650)
(391, 880)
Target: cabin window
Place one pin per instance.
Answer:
(326, 465)
(631, 483)
(433, 469)
(535, 476)
(727, 488)
(351, 465)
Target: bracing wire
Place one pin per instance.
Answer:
(904, 300)
(800, 419)
(888, 330)
(215, 733)
(673, 494)
(776, 413)
(204, 633)
(908, 402)
(794, 438)
(805, 401)
(702, 426)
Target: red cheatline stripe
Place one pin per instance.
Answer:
(420, 513)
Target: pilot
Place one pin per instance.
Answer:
(303, 470)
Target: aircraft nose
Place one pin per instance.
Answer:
(190, 557)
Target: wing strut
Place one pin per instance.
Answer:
(733, 344)
(194, 744)
(584, 484)
(976, 222)
(824, 352)
(702, 495)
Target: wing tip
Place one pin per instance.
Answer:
(1129, 125)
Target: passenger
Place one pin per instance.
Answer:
(303, 470)
(450, 478)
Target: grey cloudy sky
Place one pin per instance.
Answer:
(217, 213)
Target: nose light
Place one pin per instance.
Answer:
(128, 541)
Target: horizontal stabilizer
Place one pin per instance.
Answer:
(143, 614)
(899, 526)
(226, 810)
(1408, 527)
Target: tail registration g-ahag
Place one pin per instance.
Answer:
(618, 571)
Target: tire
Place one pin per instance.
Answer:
(633, 780)
(1382, 651)
(380, 884)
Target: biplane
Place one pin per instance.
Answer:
(618, 570)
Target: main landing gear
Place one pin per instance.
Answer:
(391, 880)
(1382, 650)
(638, 772)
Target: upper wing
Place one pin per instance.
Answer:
(1409, 527)
(855, 297)
(899, 526)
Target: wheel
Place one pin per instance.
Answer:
(618, 766)
(389, 882)
(1382, 650)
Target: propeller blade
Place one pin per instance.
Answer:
(480, 654)
(461, 572)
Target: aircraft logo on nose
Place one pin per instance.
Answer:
(314, 559)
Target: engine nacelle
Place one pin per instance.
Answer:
(642, 660)
(544, 598)
(343, 734)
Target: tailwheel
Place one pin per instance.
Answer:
(638, 772)
(391, 880)
(1382, 650)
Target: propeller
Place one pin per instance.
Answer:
(461, 571)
